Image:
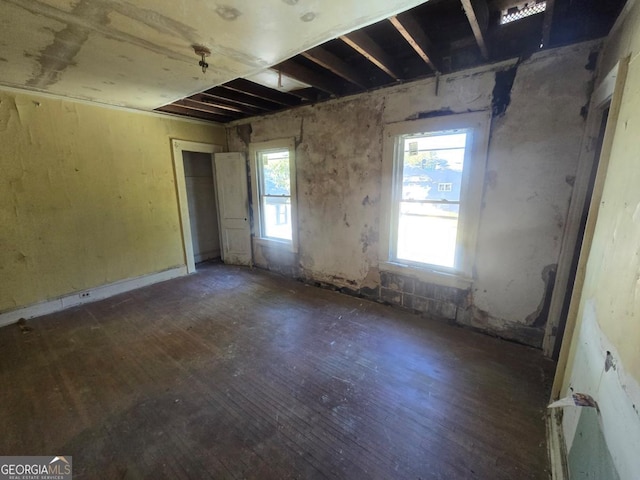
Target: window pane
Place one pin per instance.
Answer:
(432, 167)
(275, 173)
(427, 233)
(276, 217)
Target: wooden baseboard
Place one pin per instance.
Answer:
(556, 446)
(88, 296)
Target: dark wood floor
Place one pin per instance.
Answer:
(237, 373)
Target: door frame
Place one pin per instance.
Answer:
(178, 147)
(600, 100)
(608, 93)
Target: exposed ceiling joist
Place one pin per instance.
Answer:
(180, 110)
(315, 79)
(478, 14)
(260, 91)
(364, 44)
(225, 104)
(548, 21)
(243, 98)
(212, 106)
(230, 96)
(204, 107)
(413, 33)
(328, 60)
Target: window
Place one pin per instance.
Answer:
(434, 171)
(273, 182)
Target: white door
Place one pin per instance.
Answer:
(233, 204)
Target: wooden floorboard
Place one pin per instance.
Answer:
(235, 373)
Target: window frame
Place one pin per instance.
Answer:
(478, 125)
(255, 150)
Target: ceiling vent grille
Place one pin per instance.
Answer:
(522, 11)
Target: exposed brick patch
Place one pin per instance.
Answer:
(431, 301)
(370, 293)
(436, 308)
(390, 296)
(396, 282)
(438, 292)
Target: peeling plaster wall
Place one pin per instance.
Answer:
(533, 158)
(87, 196)
(608, 318)
(533, 152)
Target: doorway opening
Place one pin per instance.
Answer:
(583, 212)
(202, 206)
(581, 231)
(197, 201)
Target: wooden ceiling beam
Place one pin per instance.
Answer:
(256, 90)
(335, 65)
(548, 22)
(242, 98)
(203, 107)
(220, 97)
(477, 12)
(308, 76)
(415, 36)
(178, 110)
(364, 45)
(223, 104)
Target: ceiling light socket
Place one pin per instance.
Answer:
(203, 52)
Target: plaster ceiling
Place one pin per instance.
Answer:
(140, 55)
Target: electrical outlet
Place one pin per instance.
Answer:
(85, 295)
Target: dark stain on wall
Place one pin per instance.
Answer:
(539, 317)
(502, 90)
(436, 113)
(592, 62)
(368, 237)
(471, 316)
(244, 133)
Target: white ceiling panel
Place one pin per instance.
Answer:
(139, 54)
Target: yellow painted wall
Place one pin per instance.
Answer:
(612, 280)
(608, 318)
(87, 195)
(614, 276)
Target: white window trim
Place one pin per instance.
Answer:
(258, 239)
(471, 202)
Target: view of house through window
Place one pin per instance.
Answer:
(275, 194)
(428, 196)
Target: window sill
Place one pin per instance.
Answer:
(428, 275)
(284, 245)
